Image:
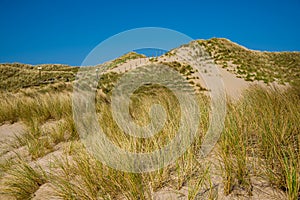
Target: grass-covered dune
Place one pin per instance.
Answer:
(261, 140)
(283, 67)
(257, 155)
(17, 76)
(251, 65)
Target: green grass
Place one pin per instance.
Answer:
(29, 106)
(261, 138)
(282, 67)
(14, 77)
(17, 77)
(107, 81)
(183, 69)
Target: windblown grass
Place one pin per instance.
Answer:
(262, 138)
(41, 107)
(23, 180)
(83, 177)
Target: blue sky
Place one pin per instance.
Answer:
(65, 32)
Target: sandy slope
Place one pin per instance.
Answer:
(233, 85)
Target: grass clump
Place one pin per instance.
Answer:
(261, 138)
(23, 180)
(86, 178)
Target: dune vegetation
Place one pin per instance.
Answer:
(259, 147)
(261, 139)
(251, 65)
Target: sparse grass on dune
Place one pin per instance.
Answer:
(125, 58)
(85, 178)
(23, 180)
(278, 137)
(282, 67)
(262, 138)
(34, 110)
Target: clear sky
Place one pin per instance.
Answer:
(57, 31)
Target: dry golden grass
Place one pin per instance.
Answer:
(84, 177)
(260, 139)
